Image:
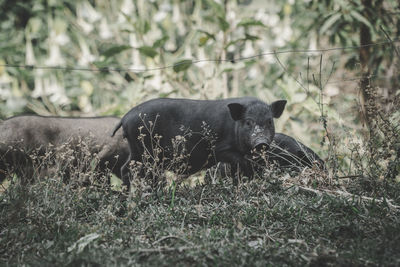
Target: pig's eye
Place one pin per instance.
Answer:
(249, 123)
(269, 122)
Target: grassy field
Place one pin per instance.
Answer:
(271, 220)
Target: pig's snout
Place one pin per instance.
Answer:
(260, 139)
(261, 144)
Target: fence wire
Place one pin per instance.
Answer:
(196, 61)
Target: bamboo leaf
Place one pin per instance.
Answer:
(182, 65)
(251, 37)
(148, 51)
(115, 50)
(203, 40)
(160, 42)
(329, 22)
(223, 24)
(360, 18)
(250, 22)
(218, 8)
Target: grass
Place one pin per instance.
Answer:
(309, 218)
(260, 222)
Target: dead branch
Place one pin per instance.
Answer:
(348, 196)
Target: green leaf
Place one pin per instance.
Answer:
(115, 50)
(234, 42)
(228, 70)
(223, 24)
(251, 37)
(218, 8)
(249, 63)
(360, 18)
(160, 42)
(102, 64)
(329, 22)
(182, 65)
(164, 95)
(148, 51)
(203, 40)
(209, 35)
(147, 27)
(250, 22)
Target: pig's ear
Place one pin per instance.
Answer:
(237, 111)
(277, 108)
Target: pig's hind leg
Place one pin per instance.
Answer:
(130, 167)
(126, 173)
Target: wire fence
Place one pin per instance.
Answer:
(232, 60)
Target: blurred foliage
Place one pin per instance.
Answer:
(207, 48)
(344, 17)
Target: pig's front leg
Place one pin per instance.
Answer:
(239, 164)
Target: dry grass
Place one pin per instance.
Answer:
(273, 219)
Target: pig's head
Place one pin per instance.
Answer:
(254, 123)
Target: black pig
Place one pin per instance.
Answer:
(21, 135)
(214, 131)
(287, 152)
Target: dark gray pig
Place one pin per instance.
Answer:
(287, 152)
(213, 130)
(20, 135)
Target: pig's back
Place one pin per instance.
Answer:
(174, 112)
(32, 131)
